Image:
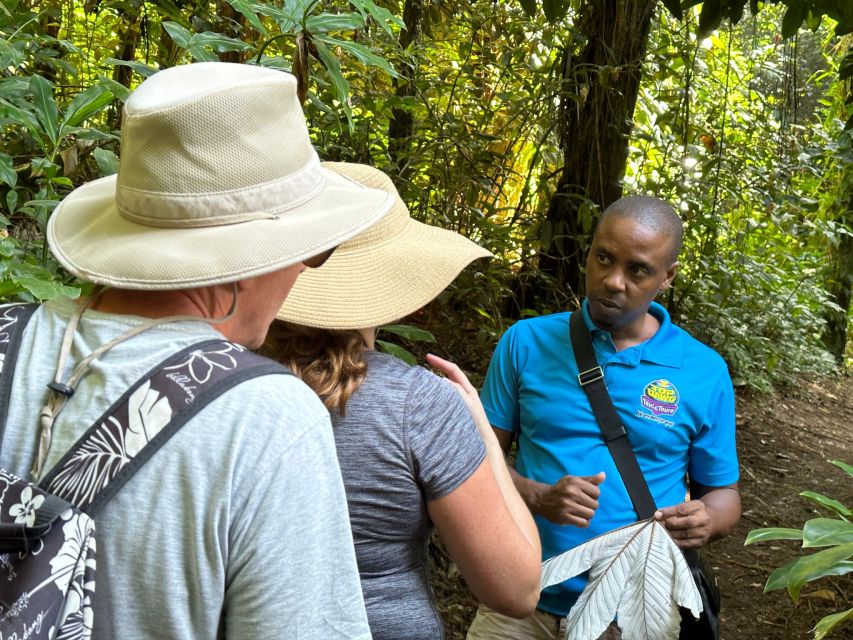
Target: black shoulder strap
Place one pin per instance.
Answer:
(13, 319)
(591, 379)
(143, 419)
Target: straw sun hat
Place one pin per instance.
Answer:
(383, 274)
(218, 182)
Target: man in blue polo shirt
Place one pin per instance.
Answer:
(673, 394)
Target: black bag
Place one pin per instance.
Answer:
(591, 379)
(47, 531)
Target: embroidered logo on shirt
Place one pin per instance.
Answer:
(660, 397)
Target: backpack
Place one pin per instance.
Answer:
(47, 530)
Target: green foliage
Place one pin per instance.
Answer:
(409, 334)
(836, 534)
(462, 105)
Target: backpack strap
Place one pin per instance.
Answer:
(13, 319)
(144, 418)
(591, 380)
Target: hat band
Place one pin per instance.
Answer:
(257, 202)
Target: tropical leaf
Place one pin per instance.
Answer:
(838, 463)
(407, 331)
(46, 110)
(7, 170)
(773, 533)
(828, 503)
(147, 413)
(397, 351)
(636, 573)
(828, 623)
(824, 532)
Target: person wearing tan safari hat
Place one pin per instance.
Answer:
(237, 527)
(410, 453)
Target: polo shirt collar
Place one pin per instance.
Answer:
(666, 347)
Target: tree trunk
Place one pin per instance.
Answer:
(232, 23)
(401, 127)
(600, 87)
(840, 288)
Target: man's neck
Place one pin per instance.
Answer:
(632, 335)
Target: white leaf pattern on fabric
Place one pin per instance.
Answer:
(93, 465)
(201, 364)
(148, 413)
(636, 573)
(25, 511)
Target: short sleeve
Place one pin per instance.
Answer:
(443, 442)
(713, 452)
(500, 389)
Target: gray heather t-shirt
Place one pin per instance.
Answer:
(407, 437)
(236, 528)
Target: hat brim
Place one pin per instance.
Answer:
(369, 286)
(91, 239)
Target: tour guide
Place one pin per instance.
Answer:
(672, 393)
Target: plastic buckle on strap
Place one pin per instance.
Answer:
(590, 375)
(62, 389)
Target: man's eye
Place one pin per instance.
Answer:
(602, 259)
(639, 271)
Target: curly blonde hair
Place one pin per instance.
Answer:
(329, 361)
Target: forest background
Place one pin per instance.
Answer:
(515, 122)
(512, 122)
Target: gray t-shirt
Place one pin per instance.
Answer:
(407, 437)
(236, 528)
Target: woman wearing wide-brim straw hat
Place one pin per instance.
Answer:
(410, 454)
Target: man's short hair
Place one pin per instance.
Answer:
(650, 212)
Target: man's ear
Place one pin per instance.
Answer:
(670, 276)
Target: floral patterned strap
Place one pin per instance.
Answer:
(146, 416)
(13, 319)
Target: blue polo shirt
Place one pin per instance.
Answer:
(674, 396)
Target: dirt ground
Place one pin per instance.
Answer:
(784, 441)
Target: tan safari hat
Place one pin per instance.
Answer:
(385, 273)
(218, 182)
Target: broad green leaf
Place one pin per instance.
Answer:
(12, 200)
(828, 623)
(251, 17)
(636, 573)
(46, 109)
(106, 160)
(827, 502)
(180, 35)
(142, 69)
(397, 351)
(823, 532)
(169, 9)
(554, 10)
(816, 565)
(62, 181)
(119, 91)
(339, 83)
(86, 104)
(710, 17)
(45, 289)
(362, 53)
(43, 167)
(383, 16)
(218, 42)
(409, 332)
(529, 7)
(844, 466)
(777, 533)
(7, 170)
(794, 17)
(325, 22)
